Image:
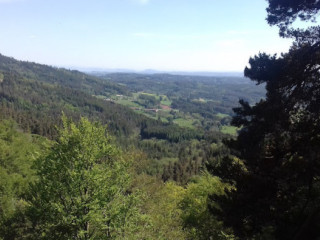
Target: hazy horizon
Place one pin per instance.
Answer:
(174, 36)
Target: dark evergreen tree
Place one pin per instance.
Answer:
(277, 192)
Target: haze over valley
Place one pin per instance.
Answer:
(159, 119)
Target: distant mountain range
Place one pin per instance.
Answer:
(98, 71)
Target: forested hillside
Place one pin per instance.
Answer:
(58, 76)
(177, 137)
(154, 150)
(82, 186)
(160, 156)
(222, 92)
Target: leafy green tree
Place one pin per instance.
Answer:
(83, 187)
(161, 207)
(197, 220)
(18, 150)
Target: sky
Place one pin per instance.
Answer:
(167, 35)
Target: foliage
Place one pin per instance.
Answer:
(278, 189)
(37, 106)
(60, 76)
(17, 153)
(148, 101)
(34, 96)
(197, 220)
(172, 133)
(82, 188)
(161, 207)
(225, 91)
(284, 12)
(175, 212)
(195, 101)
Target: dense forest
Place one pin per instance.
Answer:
(161, 156)
(176, 138)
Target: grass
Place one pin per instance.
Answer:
(135, 95)
(147, 114)
(165, 120)
(222, 115)
(199, 100)
(127, 103)
(229, 130)
(149, 94)
(166, 102)
(184, 122)
(97, 96)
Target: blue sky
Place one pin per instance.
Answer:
(181, 35)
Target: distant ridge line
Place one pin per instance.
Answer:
(150, 71)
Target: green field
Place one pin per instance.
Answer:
(127, 103)
(166, 102)
(229, 130)
(180, 118)
(222, 115)
(184, 122)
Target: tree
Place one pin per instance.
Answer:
(197, 220)
(284, 12)
(162, 219)
(83, 187)
(278, 190)
(18, 150)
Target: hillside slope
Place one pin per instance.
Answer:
(59, 76)
(35, 95)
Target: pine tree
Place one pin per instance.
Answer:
(277, 192)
